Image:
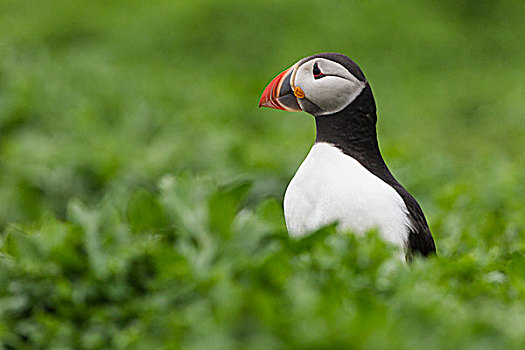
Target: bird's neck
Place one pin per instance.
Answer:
(354, 133)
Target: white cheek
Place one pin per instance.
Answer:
(330, 93)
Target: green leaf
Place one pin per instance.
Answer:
(144, 212)
(271, 211)
(20, 246)
(223, 207)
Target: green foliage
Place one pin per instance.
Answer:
(110, 277)
(141, 187)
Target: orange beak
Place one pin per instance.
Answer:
(279, 93)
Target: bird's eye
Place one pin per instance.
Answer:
(317, 72)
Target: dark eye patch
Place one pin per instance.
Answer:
(317, 72)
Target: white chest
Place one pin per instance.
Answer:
(330, 186)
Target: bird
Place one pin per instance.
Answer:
(344, 178)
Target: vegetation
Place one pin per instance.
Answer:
(141, 186)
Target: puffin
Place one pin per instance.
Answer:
(344, 178)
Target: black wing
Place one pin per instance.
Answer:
(420, 240)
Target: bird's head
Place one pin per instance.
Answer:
(321, 84)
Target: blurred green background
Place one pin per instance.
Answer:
(132, 148)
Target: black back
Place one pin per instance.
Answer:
(353, 131)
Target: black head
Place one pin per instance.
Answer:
(322, 85)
